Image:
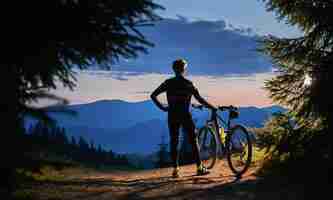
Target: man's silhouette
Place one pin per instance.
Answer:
(179, 92)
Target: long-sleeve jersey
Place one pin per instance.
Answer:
(179, 91)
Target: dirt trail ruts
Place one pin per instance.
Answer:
(151, 184)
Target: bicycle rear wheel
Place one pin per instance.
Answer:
(239, 150)
(208, 147)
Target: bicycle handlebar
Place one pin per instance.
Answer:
(221, 108)
(231, 107)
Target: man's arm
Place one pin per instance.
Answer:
(162, 88)
(201, 100)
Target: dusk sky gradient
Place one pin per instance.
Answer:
(239, 90)
(226, 90)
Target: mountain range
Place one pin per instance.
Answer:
(137, 127)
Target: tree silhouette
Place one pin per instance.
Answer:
(85, 33)
(53, 143)
(73, 141)
(162, 154)
(43, 41)
(303, 65)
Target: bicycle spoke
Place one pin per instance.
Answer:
(239, 150)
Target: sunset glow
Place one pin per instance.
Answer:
(226, 90)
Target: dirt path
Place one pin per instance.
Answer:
(150, 184)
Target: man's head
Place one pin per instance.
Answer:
(179, 66)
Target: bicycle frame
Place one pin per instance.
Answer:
(224, 146)
(213, 123)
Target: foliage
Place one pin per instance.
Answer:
(284, 137)
(295, 152)
(303, 65)
(306, 57)
(43, 41)
(162, 155)
(51, 143)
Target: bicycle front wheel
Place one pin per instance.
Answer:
(208, 147)
(239, 150)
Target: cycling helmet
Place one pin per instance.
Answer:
(179, 65)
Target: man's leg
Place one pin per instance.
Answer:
(189, 128)
(174, 137)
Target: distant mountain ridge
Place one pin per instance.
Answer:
(137, 127)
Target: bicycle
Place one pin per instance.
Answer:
(234, 141)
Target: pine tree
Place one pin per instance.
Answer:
(83, 144)
(110, 156)
(83, 149)
(303, 63)
(43, 41)
(100, 149)
(64, 137)
(86, 33)
(162, 154)
(92, 147)
(302, 84)
(73, 141)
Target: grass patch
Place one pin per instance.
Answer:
(258, 155)
(50, 173)
(54, 173)
(23, 195)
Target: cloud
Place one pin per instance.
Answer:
(143, 92)
(117, 75)
(212, 48)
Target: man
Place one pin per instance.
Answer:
(179, 92)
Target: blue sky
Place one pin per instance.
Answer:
(223, 62)
(251, 13)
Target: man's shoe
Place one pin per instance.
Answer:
(202, 171)
(175, 173)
